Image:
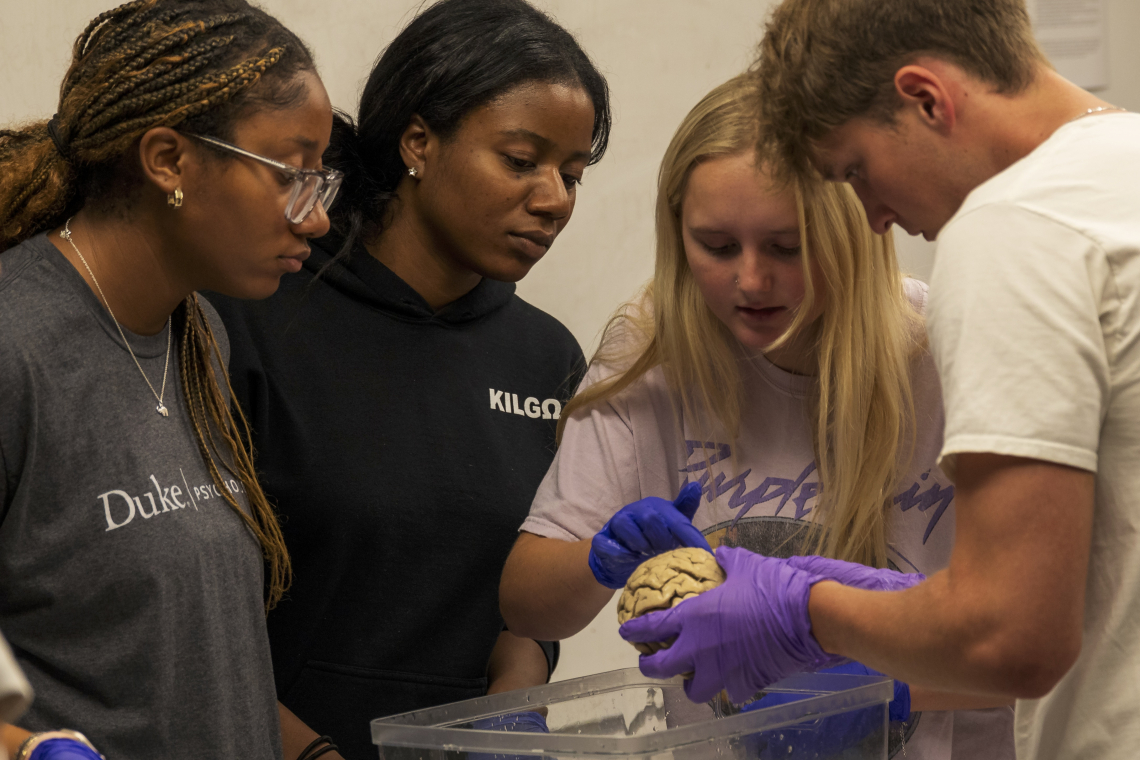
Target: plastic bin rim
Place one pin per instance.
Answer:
(397, 731)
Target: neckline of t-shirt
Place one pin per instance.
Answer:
(1052, 142)
(1047, 146)
(781, 380)
(1084, 122)
(143, 346)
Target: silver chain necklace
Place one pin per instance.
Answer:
(1098, 109)
(161, 408)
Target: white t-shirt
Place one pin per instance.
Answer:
(15, 691)
(758, 494)
(1035, 325)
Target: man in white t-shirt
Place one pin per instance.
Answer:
(947, 121)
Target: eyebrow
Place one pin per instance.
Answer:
(717, 231)
(542, 142)
(304, 142)
(827, 172)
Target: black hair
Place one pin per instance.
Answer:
(454, 57)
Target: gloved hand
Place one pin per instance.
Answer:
(826, 736)
(854, 574)
(741, 636)
(63, 749)
(642, 530)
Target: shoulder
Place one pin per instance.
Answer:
(35, 296)
(259, 324)
(542, 330)
(19, 266)
(15, 261)
(1085, 177)
(917, 292)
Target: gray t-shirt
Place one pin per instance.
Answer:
(130, 591)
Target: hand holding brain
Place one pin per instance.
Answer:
(665, 581)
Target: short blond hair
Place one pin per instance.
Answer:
(824, 62)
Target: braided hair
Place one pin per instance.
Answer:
(200, 65)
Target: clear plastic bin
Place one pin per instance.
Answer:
(623, 714)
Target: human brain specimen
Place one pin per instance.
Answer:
(665, 581)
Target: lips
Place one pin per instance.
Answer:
(533, 243)
(761, 313)
(538, 237)
(292, 262)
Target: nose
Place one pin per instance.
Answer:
(879, 215)
(315, 225)
(550, 197)
(754, 275)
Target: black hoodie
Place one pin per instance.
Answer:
(402, 448)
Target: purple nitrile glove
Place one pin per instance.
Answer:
(63, 749)
(642, 530)
(741, 636)
(854, 574)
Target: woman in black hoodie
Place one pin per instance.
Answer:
(403, 398)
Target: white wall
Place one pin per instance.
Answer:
(660, 57)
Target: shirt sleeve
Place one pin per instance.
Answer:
(1015, 328)
(594, 473)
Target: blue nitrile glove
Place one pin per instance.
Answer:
(899, 706)
(741, 636)
(854, 574)
(642, 530)
(527, 722)
(827, 736)
(63, 749)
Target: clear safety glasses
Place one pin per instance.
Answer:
(309, 185)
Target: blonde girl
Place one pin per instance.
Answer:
(777, 361)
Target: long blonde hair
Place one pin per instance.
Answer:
(865, 337)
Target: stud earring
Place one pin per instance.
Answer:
(175, 198)
(736, 280)
(413, 172)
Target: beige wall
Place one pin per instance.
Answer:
(660, 57)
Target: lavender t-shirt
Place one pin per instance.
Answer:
(758, 491)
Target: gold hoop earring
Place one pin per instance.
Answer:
(175, 198)
(413, 172)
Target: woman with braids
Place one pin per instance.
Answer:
(185, 154)
(403, 398)
(774, 374)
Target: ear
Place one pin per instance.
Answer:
(417, 144)
(163, 155)
(928, 95)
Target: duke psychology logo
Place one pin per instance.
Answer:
(120, 508)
